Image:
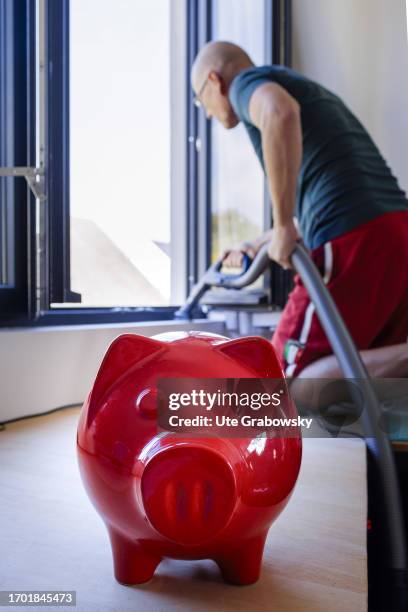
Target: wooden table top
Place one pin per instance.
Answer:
(315, 558)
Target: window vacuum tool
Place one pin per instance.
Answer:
(251, 270)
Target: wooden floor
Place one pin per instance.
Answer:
(52, 538)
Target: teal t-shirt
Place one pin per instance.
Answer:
(344, 181)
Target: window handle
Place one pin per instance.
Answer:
(197, 142)
(33, 176)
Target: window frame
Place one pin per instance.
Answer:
(198, 184)
(17, 110)
(58, 264)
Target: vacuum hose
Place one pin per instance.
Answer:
(352, 366)
(377, 441)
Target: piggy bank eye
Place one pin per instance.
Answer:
(146, 403)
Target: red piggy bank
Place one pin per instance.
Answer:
(181, 496)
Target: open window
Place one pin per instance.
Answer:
(116, 193)
(120, 129)
(88, 113)
(117, 222)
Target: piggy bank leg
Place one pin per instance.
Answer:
(242, 565)
(132, 563)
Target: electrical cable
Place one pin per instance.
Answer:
(40, 414)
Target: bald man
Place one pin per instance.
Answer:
(329, 186)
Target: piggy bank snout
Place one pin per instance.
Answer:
(188, 493)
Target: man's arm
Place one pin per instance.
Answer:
(277, 116)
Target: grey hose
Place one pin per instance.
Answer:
(353, 367)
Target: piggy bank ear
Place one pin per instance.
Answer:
(124, 352)
(256, 353)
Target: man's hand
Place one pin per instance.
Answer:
(233, 258)
(283, 243)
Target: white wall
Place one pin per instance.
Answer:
(359, 50)
(48, 367)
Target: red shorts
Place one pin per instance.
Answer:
(366, 271)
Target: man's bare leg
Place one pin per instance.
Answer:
(381, 363)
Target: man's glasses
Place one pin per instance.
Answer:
(197, 99)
